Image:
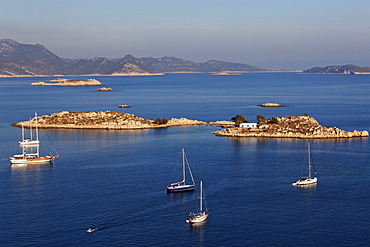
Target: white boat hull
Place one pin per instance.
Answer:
(197, 219)
(306, 181)
(180, 188)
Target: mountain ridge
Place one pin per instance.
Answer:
(18, 59)
(171, 64)
(339, 69)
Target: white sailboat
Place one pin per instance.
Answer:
(203, 212)
(31, 151)
(309, 179)
(181, 185)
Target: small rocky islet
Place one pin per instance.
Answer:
(68, 83)
(304, 127)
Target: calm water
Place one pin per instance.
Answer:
(115, 180)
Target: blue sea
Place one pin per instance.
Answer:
(115, 181)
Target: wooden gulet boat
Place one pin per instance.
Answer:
(31, 151)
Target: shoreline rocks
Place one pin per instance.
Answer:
(68, 82)
(303, 127)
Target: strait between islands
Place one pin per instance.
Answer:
(304, 127)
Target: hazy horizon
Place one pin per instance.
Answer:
(267, 34)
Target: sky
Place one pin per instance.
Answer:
(277, 34)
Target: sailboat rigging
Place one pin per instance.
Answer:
(310, 179)
(29, 141)
(181, 185)
(203, 212)
(31, 150)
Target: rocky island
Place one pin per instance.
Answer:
(108, 120)
(68, 83)
(304, 127)
(278, 127)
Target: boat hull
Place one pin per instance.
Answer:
(197, 219)
(32, 160)
(180, 188)
(307, 181)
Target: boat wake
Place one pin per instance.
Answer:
(124, 214)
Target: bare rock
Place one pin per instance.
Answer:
(104, 89)
(183, 122)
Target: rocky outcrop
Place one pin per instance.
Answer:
(271, 105)
(183, 122)
(90, 120)
(104, 89)
(304, 127)
(223, 123)
(68, 83)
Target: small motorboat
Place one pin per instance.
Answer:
(90, 230)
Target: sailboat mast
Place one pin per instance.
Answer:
(30, 129)
(37, 131)
(309, 160)
(201, 196)
(183, 165)
(22, 132)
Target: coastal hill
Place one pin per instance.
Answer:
(279, 127)
(18, 59)
(339, 69)
(170, 64)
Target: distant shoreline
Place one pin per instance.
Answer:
(156, 74)
(355, 73)
(30, 76)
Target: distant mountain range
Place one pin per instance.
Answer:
(339, 69)
(18, 59)
(174, 64)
